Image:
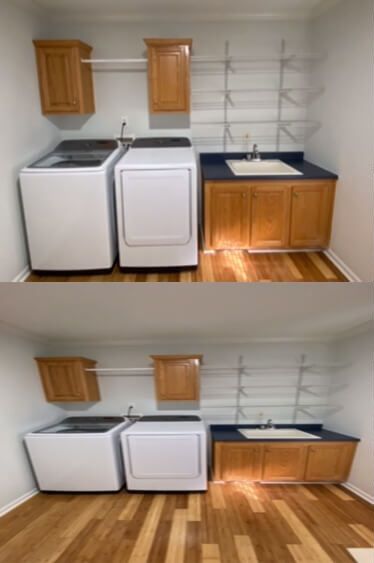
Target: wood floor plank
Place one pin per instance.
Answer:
(302, 554)
(147, 533)
(339, 493)
(364, 532)
(131, 507)
(294, 270)
(210, 553)
(177, 538)
(307, 493)
(218, 499)
(194, 508)
(302, 531)
(322, 266)
(223, 266)
(245, 550)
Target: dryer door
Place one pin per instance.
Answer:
(156, 207)
(164, 456)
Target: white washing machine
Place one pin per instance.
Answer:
(68, 202)
(166, 453)
(156, 194)
(80, 454)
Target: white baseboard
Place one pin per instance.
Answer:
(359, 492)
(342, 266)
(12, 505)
(22, 276)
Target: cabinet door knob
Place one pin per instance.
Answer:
(75, 102)
(244, 196)
(255, 195)
(295, 194)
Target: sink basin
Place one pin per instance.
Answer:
(277, 434)
(262, 168)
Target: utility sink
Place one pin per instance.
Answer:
(262, 168)
(277, 434)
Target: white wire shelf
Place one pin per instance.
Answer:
(256, 90)
(148, 370)
(218, 59)
(282, 123)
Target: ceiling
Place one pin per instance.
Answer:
(163, 10)
(167, 312)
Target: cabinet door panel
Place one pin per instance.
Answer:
(66, 379)
(311, 215)
(329, 462)
(235, 461)
(227, 216)
(177, 379)
(62, 382)
(270, 216)
(169, 76)
(284, 462)
(58, 76)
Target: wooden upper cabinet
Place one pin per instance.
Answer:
(270, 217)
(330, 461)
(65, 379)
(177, 378)
(227, 215)
(284, 462)
(66, 84)
(169, 75)
(235, 461)
(311, 214)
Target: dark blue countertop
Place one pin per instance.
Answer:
(214, 167)
(229, 433)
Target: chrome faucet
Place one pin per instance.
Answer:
(269, 425)
(255, 156)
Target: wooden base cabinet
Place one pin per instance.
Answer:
(268, 215)
(227, 215)
(311, 214)
(65, 380)
(234, 461)
(329, 461)
(283, 462)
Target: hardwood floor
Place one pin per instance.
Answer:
(232, 523)
(227, 266)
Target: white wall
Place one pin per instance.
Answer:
(119, 391)
(123, 93)
(357, 399)
(345, 142)
(24, 132)
(22, 408)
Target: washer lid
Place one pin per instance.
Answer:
(170, 418)
(161, 142)
(79, 153)
(70, 160)
(83, 425)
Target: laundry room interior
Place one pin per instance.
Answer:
(200, 142)
(130, 433)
